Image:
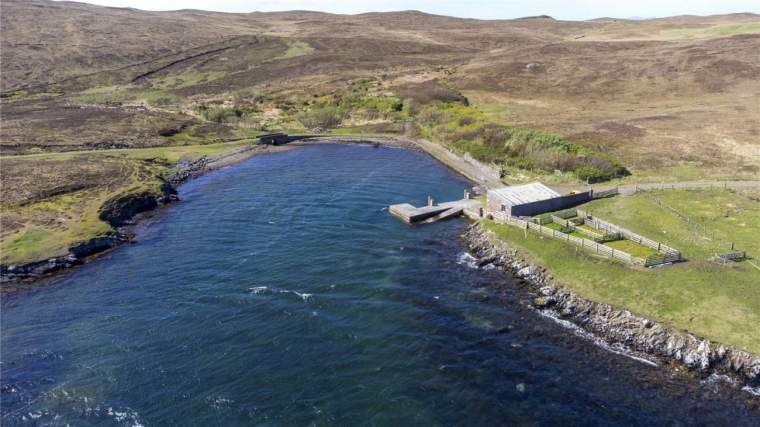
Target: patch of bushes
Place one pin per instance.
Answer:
(320, 118)
(220, 114)
(362, 101)
(466, 129)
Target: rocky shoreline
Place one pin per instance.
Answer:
(123, 212)
(613, 325)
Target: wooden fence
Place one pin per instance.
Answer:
(692, 185)
(665, 254)
(587, 244)
(606, 193)
(668, 254)
(566, 214)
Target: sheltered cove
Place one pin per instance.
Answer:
(615, 326)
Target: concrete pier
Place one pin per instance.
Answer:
(432, 212)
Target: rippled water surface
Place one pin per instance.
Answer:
(280, 292)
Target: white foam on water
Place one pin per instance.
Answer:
(80, 406)
(578, 331)
(263, 289)
(219, 402)
(718, 378)
(755, 391)
(467, 259)
(304, 296)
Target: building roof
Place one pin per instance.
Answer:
(527, 193)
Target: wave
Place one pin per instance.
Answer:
(264, 289)
(613, 348)
(70, 404)
(467, 259)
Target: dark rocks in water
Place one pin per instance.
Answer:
(614, 325)
(118, 210)
(95, 245)
(188, 169)
(76, 255)
(484, 261)
(544, 302)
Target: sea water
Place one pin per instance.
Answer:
(280, 291)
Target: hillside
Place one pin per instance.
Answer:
(83, 86)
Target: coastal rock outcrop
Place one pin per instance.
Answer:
(119, 210)
(75, 256)
(615, 325)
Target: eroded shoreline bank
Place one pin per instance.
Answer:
(124, 213)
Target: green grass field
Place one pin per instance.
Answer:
(625, 245)
(718, 302)
(632, 248)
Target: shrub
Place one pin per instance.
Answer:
(467, 130)
(220, 114)
(324, 117)
(592, 174)
(410, 107)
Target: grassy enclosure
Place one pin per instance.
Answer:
(719, 302)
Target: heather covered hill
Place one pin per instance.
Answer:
(639, 89)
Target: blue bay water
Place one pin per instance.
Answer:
(280, 292)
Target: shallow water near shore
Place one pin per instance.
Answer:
(280, 292)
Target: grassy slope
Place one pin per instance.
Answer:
(714, 301)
